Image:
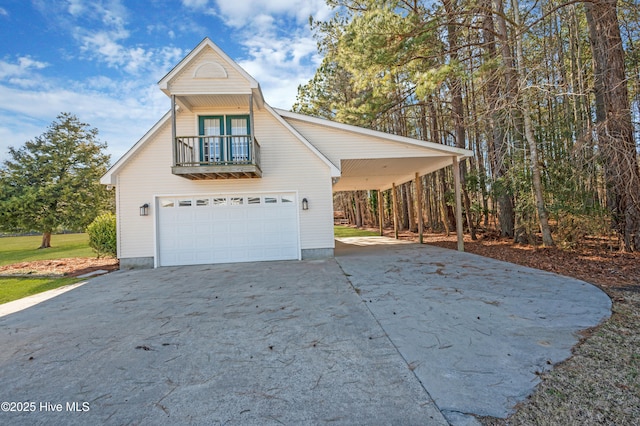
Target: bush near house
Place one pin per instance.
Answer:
(102, 235)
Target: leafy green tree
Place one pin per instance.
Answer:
(52, 182)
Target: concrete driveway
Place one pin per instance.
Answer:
(371, 337)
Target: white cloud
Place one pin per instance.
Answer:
(280, 50)
(240, 13)
(3, 12)
(76, 7)
(277, 49)
(22, 68)
(120, 120)
(196, 4)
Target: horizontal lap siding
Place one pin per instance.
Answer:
(339, 145)
(286, 165)
(184, 83)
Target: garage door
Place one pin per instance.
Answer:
(227, 228)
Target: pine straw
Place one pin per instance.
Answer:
(600, 383)
(69, 267)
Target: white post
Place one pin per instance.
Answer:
(456, 179)
(173, 129)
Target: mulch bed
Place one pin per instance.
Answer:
(69, 267)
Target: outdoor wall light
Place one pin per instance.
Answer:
(144, 209)
(305, 204)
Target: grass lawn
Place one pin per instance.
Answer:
(346, 231)
(17, 288)
(25, 249)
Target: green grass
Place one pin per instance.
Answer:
(17, 288)
(346, 231)
(25, 249)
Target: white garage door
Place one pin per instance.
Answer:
(227, 228)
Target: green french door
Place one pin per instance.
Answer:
(211, 146)
(238, 129)
(225, 138)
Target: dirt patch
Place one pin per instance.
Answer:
(69, 267)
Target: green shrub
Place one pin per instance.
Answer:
(102, 235)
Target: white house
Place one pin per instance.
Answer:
(224, 177)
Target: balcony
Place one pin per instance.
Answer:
(216, 157)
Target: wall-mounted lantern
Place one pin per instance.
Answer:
(305, 204)
(144, 209)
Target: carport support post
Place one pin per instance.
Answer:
(380, 212)
(419, 202)
(395, 209)
(456, 180)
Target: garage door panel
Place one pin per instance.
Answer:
(229, 228)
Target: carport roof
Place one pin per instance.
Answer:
(369, 159)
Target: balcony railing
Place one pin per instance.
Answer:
(213, 157)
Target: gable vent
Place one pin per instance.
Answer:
(210, 70)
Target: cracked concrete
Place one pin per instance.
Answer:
(293, 343)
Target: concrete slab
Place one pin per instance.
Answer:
(293, 343)
(29, 301)
(265, 343)
(94, 273)
(474, 330)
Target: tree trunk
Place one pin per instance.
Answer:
(547, 239)
(358, 212)
(614, 127)
(443, 201)
(413, 227)
(457, 107)
(498, 146)
(46, 240)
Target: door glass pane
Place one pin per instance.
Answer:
(211, 146)
(240, 143)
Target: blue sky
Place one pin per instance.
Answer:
(102, 59)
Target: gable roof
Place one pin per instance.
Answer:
(443, 149)
(347, 167)
(370, 159)
(207, 43)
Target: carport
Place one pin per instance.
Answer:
(371, 160)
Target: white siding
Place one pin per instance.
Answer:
(287, 165)
(184, 83)
(339, 145)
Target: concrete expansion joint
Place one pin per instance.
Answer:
(410, 365)
(460, 418)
